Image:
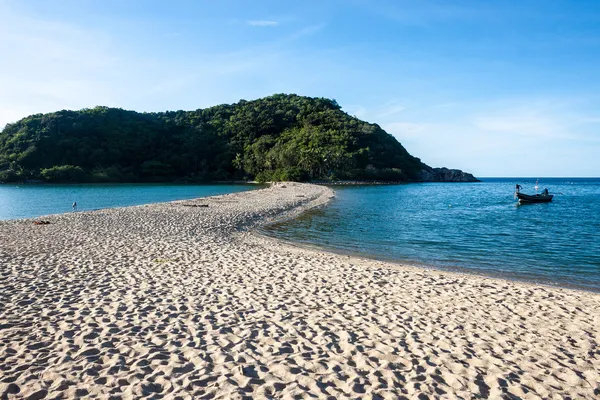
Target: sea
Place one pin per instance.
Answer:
(35, 200)
(467, 227)
(476, 228)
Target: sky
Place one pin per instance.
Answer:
(495, 88)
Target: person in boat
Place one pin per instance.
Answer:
(518, 187)
(545, 192)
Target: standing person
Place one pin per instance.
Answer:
(518, 187)
(74, 206)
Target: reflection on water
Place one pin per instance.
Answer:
(477, 227)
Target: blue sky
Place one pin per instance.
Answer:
(497, 88)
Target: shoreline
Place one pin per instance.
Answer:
(459, 271)
(165, 300)
(118, 195)
(260, 230)
(262, 233)
(462, 271)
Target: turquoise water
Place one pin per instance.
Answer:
(27, 201)
(470, 227)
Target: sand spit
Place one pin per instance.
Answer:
(172, 301)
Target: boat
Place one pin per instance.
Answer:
(536, 198)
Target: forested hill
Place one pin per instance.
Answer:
(280, 137)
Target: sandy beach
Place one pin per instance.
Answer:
(184, 300)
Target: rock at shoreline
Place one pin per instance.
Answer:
(446, 175)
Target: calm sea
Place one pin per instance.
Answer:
(470, 227)
(27, 201)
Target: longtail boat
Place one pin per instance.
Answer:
(537, 198)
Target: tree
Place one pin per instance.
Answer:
(276, 137)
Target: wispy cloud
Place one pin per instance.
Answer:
(52, 66)
(356, 110)
(409, 130)
(543, 119)
(306, 31)
(375, 112)
(391, 109)
(427, 13)
(493, 136)
(262, 23)
(519, 122)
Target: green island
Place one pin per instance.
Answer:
(277, 138)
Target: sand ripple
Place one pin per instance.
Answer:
(184, 302)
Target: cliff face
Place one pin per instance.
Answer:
(446, 175)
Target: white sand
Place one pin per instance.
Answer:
(172, 301)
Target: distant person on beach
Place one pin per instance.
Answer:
(74, 206)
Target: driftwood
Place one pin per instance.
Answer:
(195, 205)
(41, 222)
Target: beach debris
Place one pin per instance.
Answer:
(195, 205)
(40, 222)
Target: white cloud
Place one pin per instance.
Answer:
(262, 23)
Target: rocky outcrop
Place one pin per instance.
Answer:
(446, 175)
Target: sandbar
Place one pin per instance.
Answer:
(185, 300)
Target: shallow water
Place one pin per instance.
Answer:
(27, 201)
(472, 227)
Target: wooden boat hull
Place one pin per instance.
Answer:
(538, 198)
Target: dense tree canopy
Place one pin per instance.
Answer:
(280, 137)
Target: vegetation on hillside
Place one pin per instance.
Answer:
(280, 137)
